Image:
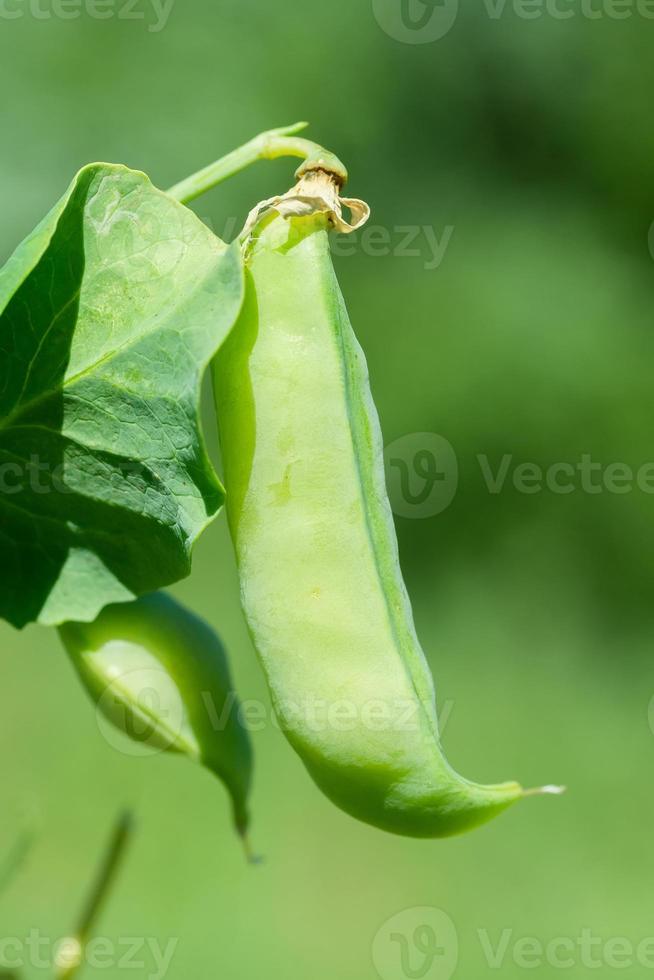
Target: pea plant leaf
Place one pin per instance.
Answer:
(110, 312)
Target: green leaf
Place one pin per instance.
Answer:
(109, 314)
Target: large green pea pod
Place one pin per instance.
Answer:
(315, 541)
(160, 674)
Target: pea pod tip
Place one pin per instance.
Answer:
(545, 791)
(250, 855)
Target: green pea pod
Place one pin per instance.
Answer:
(160, 674)
(314, 537)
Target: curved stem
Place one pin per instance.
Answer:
(15, 859)
(77, 943)
(274, 143)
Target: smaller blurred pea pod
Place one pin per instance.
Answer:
(160, 674)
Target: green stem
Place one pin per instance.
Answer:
(98, 896)
(15, 859)
(266, 146)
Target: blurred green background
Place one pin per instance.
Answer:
(531, 141)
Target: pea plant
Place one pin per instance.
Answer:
(111, 311)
